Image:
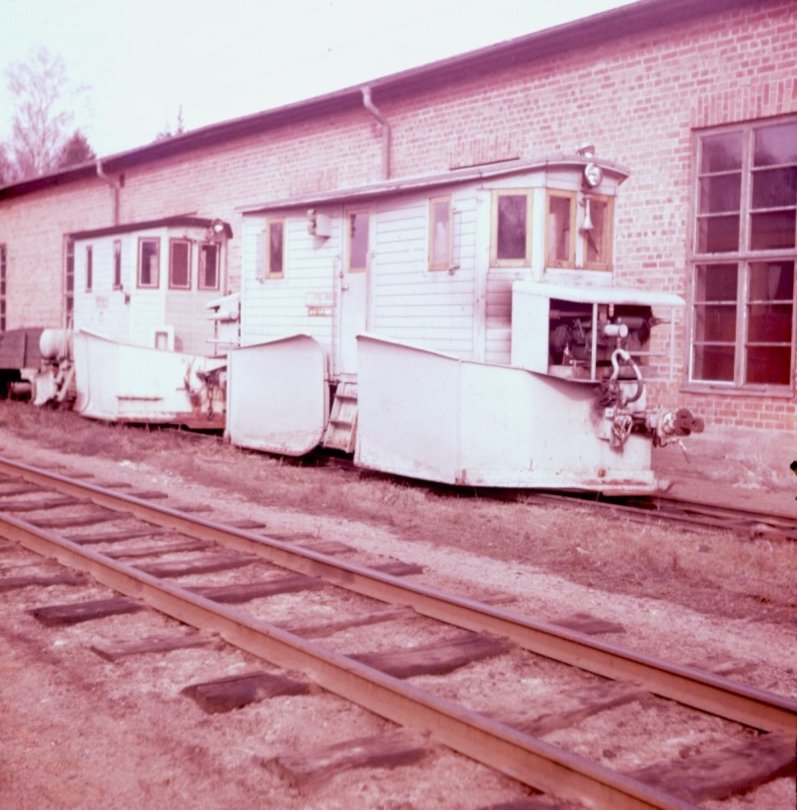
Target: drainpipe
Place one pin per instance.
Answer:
(369, 105)
(115, 185)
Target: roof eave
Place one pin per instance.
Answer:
(589, 31)
(408, 185)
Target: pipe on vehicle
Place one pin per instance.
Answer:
(115, 185)
(386, 132)
(622, 355)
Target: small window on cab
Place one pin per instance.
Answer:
(560, 249)
(208, 266)
(89, 268)
(440, 245)
(148, 262)
(275, 249)
(510, 242)
(358, 237)
(598, 240)
(179, 264)
(117, 264)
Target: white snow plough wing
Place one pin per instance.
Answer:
(277, 398)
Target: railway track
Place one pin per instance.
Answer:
(689, 513)
(686, 512)
(377, 683)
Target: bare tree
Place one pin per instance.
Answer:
(41, 120)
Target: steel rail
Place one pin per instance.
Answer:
(691, 512)
(668, 501)
(514, 753)
(688, 685)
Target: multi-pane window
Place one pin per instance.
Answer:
(117, 264)
(89, 268)
(148, 262)
(359, 222)
(440, 233)
(179, 264)
(275, 249)
(208, 266)
(743, 270)
(510, 243)
(3, 287)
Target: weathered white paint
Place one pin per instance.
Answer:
(120, 382)
(438, 398)
(429, 415)
(103, 309)
(277, 395)
(412, 302)
(274, 307)
(135, 314)
(465, 311)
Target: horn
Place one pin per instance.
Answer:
(586, 225)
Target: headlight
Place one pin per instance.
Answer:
(592, 175)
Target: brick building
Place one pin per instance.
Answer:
(698, 100)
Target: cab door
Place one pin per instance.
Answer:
(355, 285)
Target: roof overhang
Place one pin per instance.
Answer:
(165, 222)
(589, 32)
(408, 185)
(597, 294)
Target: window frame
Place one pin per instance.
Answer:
(350, 214)
(89, 268)
(69, 281)
(270, 272)
(202, 267)
(605, 265)
(173, 242)
(526, 259)
(568, 263)
(447, 263)
(154, 284)
(746, 259)
(117, 264)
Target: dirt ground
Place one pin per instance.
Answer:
(72, 738)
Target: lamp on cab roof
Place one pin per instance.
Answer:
(216, 231)
(593, 174)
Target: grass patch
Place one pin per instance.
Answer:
(709, 572)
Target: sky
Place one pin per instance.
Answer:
(135, 67)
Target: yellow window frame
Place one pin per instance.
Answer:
(550, 259)
(609, 235)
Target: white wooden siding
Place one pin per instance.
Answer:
(186, 311)
(103, 309)
(410, 302)
(465, 311)
(275, 307)
(499, 313)
(132, 314)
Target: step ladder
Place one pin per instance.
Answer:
(341, 432)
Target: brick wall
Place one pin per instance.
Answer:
(33, 228)
(638, 98)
